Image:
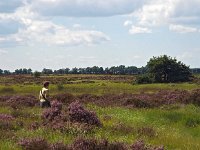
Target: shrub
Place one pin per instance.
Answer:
(137, 102)
(146, 131)
(58, 146)
(18, 101)
(93, 144)
(34, 144)
(66, 98)
(195, 97)
(6, 122)
(144, 79)
(52, 113)
(36, 74)
(78, 114)
(140, 145)
(34, 126)
(6, 117)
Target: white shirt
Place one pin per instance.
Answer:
(43, 94)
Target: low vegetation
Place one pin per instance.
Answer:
(98, 112)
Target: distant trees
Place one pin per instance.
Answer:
(23, 71)
(47, 71)
(6, 72)
(1, 71)
(37, 74)
(158, 69)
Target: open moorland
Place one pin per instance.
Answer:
(99, 112)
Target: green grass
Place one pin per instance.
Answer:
(169, 124)
(97, 88)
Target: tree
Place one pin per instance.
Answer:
(1, 71)
(167, 69)
(36, 74)
(7, 72)
(47, 71)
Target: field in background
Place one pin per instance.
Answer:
(176, 126)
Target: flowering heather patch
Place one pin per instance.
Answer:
(52, 113)
(122, 128)
(195, 97)
(4, 98)
(18, 101)
(34, 126)
(144, 100)
(92, 144)
(34, 144)
(58, 146)
(6, 122)
(140, 145)
(64, 98)
(6, 117)
(146, 131)
(77, 113)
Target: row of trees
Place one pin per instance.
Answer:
(114, 70)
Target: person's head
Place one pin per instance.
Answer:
(46, 84)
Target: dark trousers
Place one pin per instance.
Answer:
(46, 103)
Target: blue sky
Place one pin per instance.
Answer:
(79, 33)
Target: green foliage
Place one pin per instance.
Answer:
(36, 74)
(166, 69)
(144, 79)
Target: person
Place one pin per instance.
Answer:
(44, 95)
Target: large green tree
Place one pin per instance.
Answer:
(167, 69)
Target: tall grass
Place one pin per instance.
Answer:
(97, 88)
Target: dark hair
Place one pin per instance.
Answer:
(46, 83)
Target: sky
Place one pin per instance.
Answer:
(58, 34)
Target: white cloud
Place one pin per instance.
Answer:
(182, 29)
(162, 12)
(128, 23)
(137, 30)
(33, 28)
(76, 26)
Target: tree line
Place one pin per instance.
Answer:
(114, 70)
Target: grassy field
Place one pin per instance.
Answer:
(174, 126)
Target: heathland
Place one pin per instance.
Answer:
(99, 112)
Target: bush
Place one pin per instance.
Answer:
(140, 145)
(65, 98)
(195, 97)
(36, 74)
(78, 114)
(138, 103)
(34, 144)
(52, 113)
(144, 79)
(58, 146)
(92, 144)
(18, 101)
(6, 122)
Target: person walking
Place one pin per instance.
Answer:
(44, 95)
